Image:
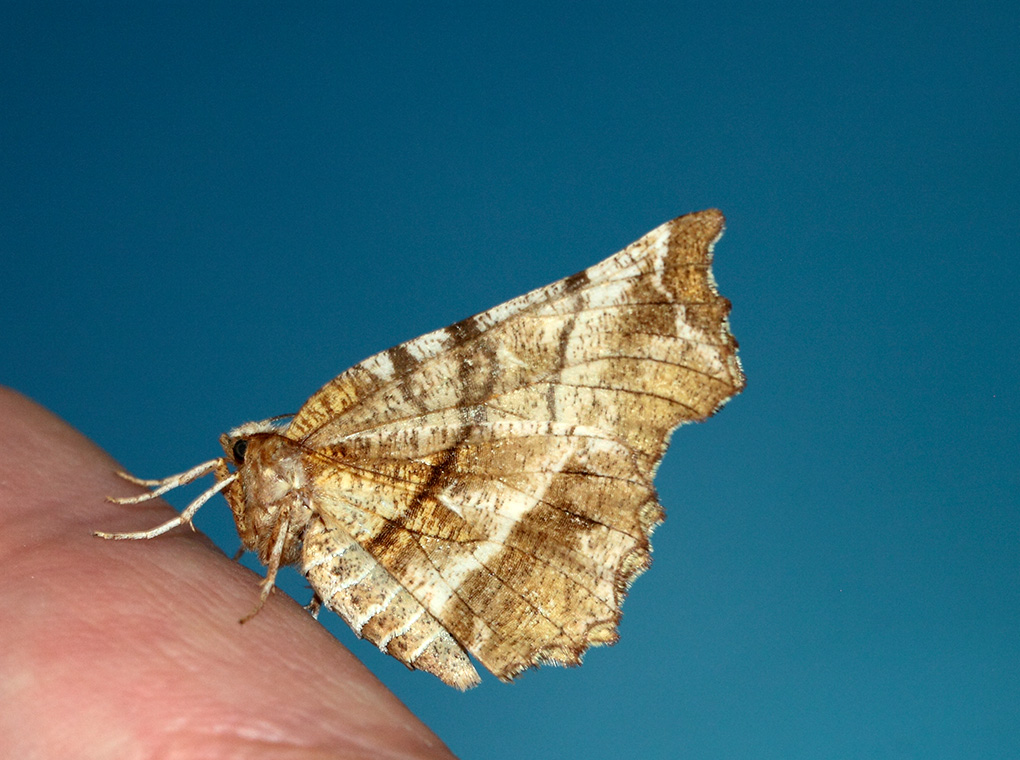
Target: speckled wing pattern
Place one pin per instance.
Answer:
(487, 488)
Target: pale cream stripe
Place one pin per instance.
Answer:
(425, 645)
(385, 640)
(455, 574)
(375, 609)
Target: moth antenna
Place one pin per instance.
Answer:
(165, 484)
(181, 519)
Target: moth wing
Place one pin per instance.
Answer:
(500, 470)
(633, 346)
(377, 607)
(519, 538)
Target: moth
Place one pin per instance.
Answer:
(487, 488)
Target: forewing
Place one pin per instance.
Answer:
(633, 346)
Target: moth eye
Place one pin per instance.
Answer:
(240, 446)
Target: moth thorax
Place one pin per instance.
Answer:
(271, 493)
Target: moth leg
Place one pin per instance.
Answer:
(181, 519)
(223, 473)
(313, 607)
(168, 483)
(138, 481)
(273, 566)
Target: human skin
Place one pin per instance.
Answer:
(132, 649)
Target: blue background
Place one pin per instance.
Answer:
(209, 210)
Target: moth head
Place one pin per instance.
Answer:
(235, 442)
(266, 489)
